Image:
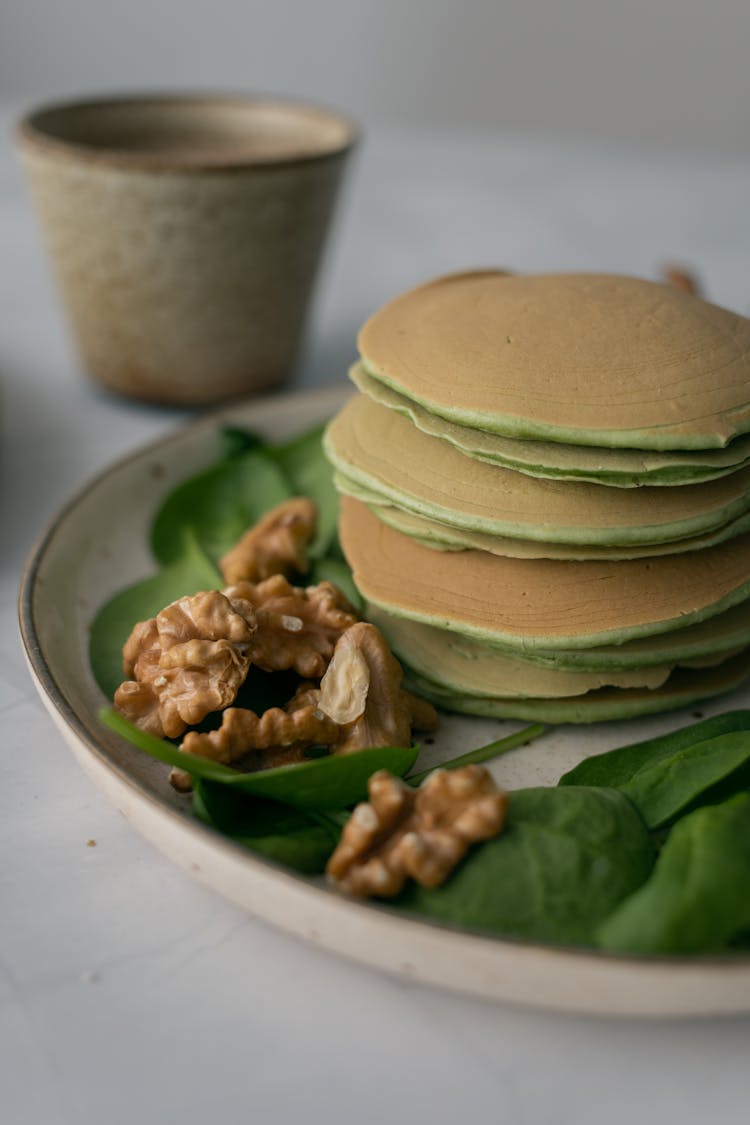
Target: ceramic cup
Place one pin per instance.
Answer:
(185, 233)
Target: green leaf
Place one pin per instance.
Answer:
(662, 790)
(698, 898)
(305, 850)
(218, 505)
(564, 860)
(310, 474)
(239, 814)
(331, 783)
(664, 776)
(190, 572)
(236, 440)
(324, 783)
(286, 835)
(615, 767)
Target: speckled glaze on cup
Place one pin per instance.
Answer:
(185, 233)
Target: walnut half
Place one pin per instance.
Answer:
(276, 544)
(189, 660)
(362, 691)
(419, 833)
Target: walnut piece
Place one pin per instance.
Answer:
(424, 717)
(138, 701)
(362, 691)
(402, 832)
(192, 658)
(346, 683)
(189, 660)
(208, 616)
(141, 649)
(277, 544)
(277, 737)
(296, 628)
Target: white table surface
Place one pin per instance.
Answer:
(130, 993)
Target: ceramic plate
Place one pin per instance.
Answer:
(98, 543)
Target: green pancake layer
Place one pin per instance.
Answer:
(683, 688)
(708, 642)
(540, 604)
(442, 537)
(383, 452)
(618, 468)
(466, 666)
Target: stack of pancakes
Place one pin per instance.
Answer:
(546, 493)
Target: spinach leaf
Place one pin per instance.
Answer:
(303, 849)
(218, 505)
(666, 788)
(615, 767)
(289, 836)
(309, 473)
(323, 783)
(565, 859)
(190, 572)
(331, 783)
(241, 814)
(665, 776)
(236, 440)
(698, 898)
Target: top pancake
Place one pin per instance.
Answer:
(590, 359)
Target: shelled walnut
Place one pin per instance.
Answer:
(276, 544)
(402, 832)
(359, 704)
(279, 736)
(296, 628)
(189, 660)
(193, 657)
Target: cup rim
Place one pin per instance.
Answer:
(32, 133)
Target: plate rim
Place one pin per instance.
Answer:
(547, 961)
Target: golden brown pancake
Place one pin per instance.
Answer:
(382, 450)
(545, 603)
(592, 359)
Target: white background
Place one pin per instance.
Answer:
(669, 72)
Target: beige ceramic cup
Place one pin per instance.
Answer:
(185, 233)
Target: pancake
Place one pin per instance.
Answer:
(590, 359)
(682, 689)
(545, 493)
(382, 451)
(540, 603)
(696, 646)
(618, 468)
(442, 537)
(467, 666)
